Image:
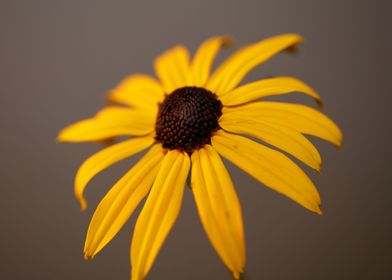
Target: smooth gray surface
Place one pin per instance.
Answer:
(58, 58)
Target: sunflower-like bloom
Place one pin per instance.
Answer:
(187, 119)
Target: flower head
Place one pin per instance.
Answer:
(187, 119)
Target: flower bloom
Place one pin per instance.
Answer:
(187, 119)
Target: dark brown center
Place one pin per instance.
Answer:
(187, 118)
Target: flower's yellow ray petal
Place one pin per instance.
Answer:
(140, 91)
(204, 207)
(218, 207)
(298, 117)
(120, 202)
(285, 139)
(159, 212)
(204, 58)
(104, 159)
(231, 72)
(270, 167)
(267, 87)
(109, 122)
(173, 68)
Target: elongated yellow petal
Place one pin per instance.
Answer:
(140, 91)
(204, 58)
(231, 72)
(218, 207)
(172, 68)
(267, 87)
(296, 116)
(120, 202)
(270, 167)
(109, 122)
(159, 212)
(285, 139)
(105, 158)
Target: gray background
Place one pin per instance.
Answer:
(58, 58)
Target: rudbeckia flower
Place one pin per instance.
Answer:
(187, 119)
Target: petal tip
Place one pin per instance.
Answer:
(319, 164)
(61, 137)
(339, 142)
(65, 135)
(319, 171)
(295, 38)
(227, 41)
(82, 202)
(87, 256)
(318, 210)
(239, 275)
(314, 164)
(319, 102)
(83, 207)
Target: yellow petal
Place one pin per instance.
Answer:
(298, 117)
(270, 167)
(172, 68)
(105, 158)
(159, 212)
(267, 87)
(218, 207)
(120, 202)
(204, 58)
(285, 139)
(109, 122)
(140, 91)
(231, 72)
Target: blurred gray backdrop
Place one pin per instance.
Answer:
(57, 60)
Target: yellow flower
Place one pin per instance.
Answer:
(189, 118)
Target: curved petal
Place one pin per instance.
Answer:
(109, 122)
(267, 87)
(270, 167)
(285, 139)
(218, 207)
(159, 212)
(140, 91)
(172, 68)
(120, 202)
(204, 58)
(105, 158)
(298, 117)
(231, 72)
